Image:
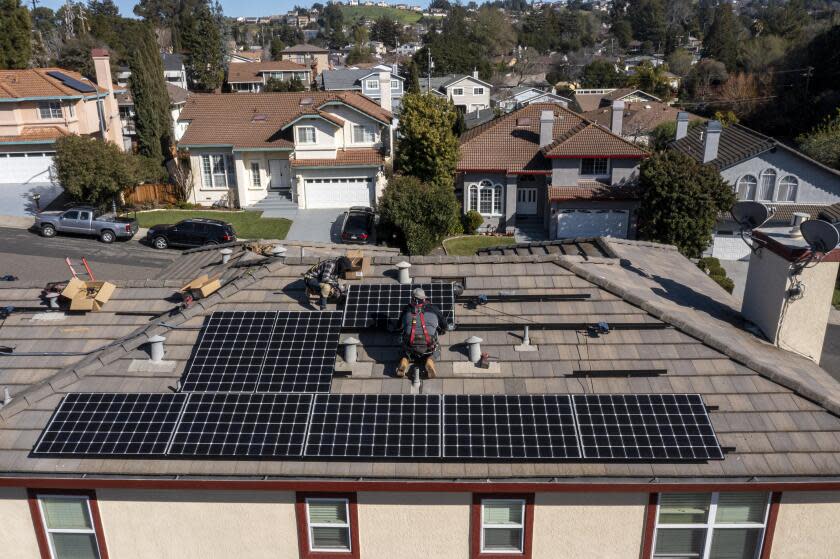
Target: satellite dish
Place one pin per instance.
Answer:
(750, 215)
(820, 235)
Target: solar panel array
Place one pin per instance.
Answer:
(247, 351)
(539, 427)
(376, 304)
(73, 83)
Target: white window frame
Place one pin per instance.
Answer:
(365, 129)
(208, 174)
(785, 183)
(496, 191)
(71, 108)
(520, 526)
(479, 90)
(711, 526)
(594, 173)
(457, 91)
(53, 108)
(256, 179)
(48, 531)
(772, 193)
(310, 525)
(747, 194)
(298, 135)
(372, 85)
(395, 84)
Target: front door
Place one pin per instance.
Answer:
(526, 200)
(278, 170)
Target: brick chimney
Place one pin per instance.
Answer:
(546, 128)
(682, 125)
(617, 118)
(711, 140)
(385, 96)
(102, 65)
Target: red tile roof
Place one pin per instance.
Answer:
(590, 140)
(639, 118)
(347, 158)
(249, 72)
(34, 82)
(36, 134)
(592, 190)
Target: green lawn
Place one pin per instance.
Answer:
(248, 225)
(466, 246)
(405, 17)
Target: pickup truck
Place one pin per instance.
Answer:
(86, 221)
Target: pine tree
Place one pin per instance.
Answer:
(151, 100)
(15, 35)
(203, 42)
(721, 42)
(428, 147)
(412, 78)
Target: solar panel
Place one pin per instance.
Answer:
(376, 304)
(242, 425)
(645, 427)
(374, 426)
(112, 424)
(301, 354)
(490, 426)
(73, 83)
(230, 352)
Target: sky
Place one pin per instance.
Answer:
(234, 8)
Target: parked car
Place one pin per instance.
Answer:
(359, 226)
(86, 220)
(191, 233)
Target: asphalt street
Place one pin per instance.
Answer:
(31, 257)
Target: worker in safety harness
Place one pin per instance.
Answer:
(322, 278)
(420, 324)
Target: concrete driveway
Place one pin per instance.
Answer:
(16, 198)
(316, 225)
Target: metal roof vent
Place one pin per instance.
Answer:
(305, 101)
(258, 118)
(523, 121)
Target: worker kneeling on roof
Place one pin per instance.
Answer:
(420, 324)
(322, 278)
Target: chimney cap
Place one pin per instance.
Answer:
(714, 126)
(402, 265)
(100, 53)
(157, 338)
(618, 104)
(682, 115)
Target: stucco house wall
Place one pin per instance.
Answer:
(468, 98)
(807, 526)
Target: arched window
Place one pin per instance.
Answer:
(473, 198)
(768, 184)
(486, 198)
(788, 188)
(497, 199)
(746, 187)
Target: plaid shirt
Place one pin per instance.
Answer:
(325, 272)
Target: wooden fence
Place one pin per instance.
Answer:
(150, 194)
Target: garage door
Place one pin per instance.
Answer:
(25, 167)
(339, 193)
(730, 247)
(592, 223)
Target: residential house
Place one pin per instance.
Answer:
(251, 78)
(174, 71)
(592, 99)
(468, 93)
(639, 120)
(544, 170)
(366, 81)
(758, 168)
(408, 49)
(40, 105)
(633, 61)
(312, 56)
(520, 96)
(377, 48)
(726, 445)
(177, 99)
(246, 56)
(309, 150)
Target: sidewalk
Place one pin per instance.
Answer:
(16, 221)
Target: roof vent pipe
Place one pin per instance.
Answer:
(474, 344)
(795, 222)
(52, 299)
(226, 252)
(156, 349)
(402, 273)
(279, 251)
(350, 350)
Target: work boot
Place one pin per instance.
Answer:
(430, 368)
(402, 369)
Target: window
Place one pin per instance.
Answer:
(255, 174)
(395, 84)
(478, 91)
(497, 199)
(327, 525)
(501, 526)
(363, 134)
(67, 525)
(305, 134)
(788, 188)
(458, 91)
(746, 187)
(596, 167)
(72, 109)
(472, 204)
(710, 525)
(485, 198)
(50, 109)
(372, 84)
(217, 171)
(768, 183)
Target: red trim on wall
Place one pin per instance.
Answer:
(650, 526)
(775, 500)
(303, 526)
(38, 520)
(475, 526)
(589, 156)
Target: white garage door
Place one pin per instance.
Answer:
(339, 193)
(730, 247)
(25, 167)
(592, 223)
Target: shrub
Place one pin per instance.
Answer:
(150, 170)
(472, 221)
(711, 266)
(725, 283)
(93, 171)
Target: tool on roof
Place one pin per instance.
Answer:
(83, 269)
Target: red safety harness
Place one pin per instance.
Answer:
(418, 310)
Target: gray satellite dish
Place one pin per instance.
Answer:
(750, 215)
(820, 235)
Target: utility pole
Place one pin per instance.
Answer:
(431, 65)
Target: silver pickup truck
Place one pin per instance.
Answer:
(86, 221)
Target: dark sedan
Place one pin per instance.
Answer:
(359, 226)
(191, 233)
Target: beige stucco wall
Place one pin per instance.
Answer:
(573, 525)
(414, 525)
(807, 526)
(200, 525)
(17, 534)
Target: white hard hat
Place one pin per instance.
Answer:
(418, 293)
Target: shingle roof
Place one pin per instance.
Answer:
(172, 62)
(783, 213)
(177, 95)
(737, 143)
(587, 247)
(228, 118)
(250, 72)
(639, 118)
(592, 101)
(34, 82)
(346, 158)
(305, 48)
(830, 213)
(343, 79)
(768, 404)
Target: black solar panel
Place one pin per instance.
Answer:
(645, 427)
(376, 304)
(488, 426)
(73, 83)
(242, 425)
(374, 426)
(301, 353)
(112, 424)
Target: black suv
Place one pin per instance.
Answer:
(191, 233)
(359, 225)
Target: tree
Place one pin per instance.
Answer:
(721, 42)
(15, 35)
(205, 61)
(705, 75)
(386, 30)
(276, 48)
(494, 27)
(680, 62)
(417, 214)
(647, 18)
(600, 73)
(93, 171)
(652, 79)
(412, 78)
(151, 99)
(760, 53)
(680, 201)
(427, 146)
(823, 142)
(180, 172)
(281, 86)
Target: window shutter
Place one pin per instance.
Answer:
(738, 508)
(66, 513)
(684, 508)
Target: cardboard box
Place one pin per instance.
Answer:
(88, 295)
(202, 286)
(361, 265)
